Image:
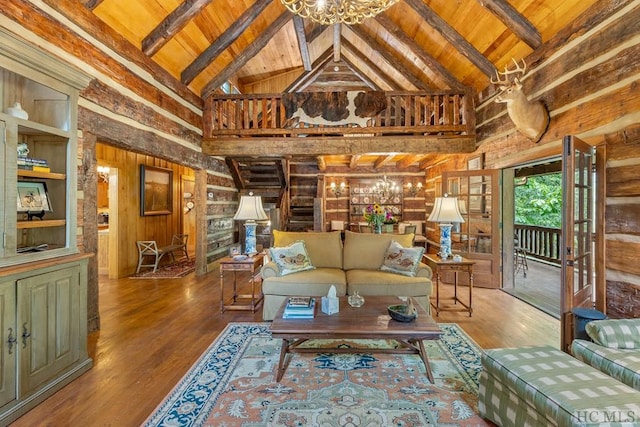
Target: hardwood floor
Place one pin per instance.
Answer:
(154, 330)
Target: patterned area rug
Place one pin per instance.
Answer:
(233, 384)
(180, 268)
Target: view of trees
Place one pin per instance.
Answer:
(539, 201)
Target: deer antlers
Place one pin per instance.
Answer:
(499, 81)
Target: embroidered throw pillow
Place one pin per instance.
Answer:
(291, 259)
(401, 260)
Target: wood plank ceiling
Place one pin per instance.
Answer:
(260, 47)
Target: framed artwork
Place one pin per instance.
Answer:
(235, 250)
(156, 190)
(33, 197)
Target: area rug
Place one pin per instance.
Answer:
(174, 270)
(233, 384)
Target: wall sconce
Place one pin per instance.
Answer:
(337, 190)
(414, 189)
(103, 173)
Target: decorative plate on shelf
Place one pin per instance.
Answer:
(365, 200)
(356, 190)
(396, 200)
(354, 200)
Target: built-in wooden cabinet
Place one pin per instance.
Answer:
(38, 166)
(363, 193)
(43, 276)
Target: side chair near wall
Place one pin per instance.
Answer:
(149, 249)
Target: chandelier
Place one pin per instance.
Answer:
(327, 12)
(386, 189)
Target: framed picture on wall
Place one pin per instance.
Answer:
(156, 190)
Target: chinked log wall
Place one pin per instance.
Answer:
(588, 76)
(433, 113)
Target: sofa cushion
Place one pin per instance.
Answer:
(307, 283)
(615, 333)
(325, 249)
(401, 260)
(381, 283)
(365, 251)
(621, 364)
(291, 259)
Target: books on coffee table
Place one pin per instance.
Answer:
(300, 308)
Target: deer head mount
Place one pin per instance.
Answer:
(530, 118)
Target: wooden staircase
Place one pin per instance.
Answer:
(301, 206)
(270, 179)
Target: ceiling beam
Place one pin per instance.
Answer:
(453, 37)
(336, 41)
(249, 52)
(308, 76)
(442, 77)
(386, 54)
(171, 25)
(346, 145)
(382, 160)
(407, 161)
(298, 24)
(517, 23)
(369, 63)
(361, 75)
(224, 41)
(315, 32)
(91, 4)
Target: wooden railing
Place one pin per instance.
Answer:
(539, 242)
(425, 113)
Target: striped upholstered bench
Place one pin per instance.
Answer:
(615, 349)
(543, 386)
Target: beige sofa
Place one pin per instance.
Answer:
(352, 266)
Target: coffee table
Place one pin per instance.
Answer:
(371, 321)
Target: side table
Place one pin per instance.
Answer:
(438, 266)
(251, 265)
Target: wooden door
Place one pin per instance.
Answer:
(577, 233)
(478, 238)
(49, 316)
(188, 184)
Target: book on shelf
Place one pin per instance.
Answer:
(37, 168)
(298, 312)
(32, 162)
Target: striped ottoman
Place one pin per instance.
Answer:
(543, 386)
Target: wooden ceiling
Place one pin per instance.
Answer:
(262, 48)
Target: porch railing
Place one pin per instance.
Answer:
(428, 113)
(539, 242)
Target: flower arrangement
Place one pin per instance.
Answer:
(376, 215)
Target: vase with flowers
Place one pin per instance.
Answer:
(376, 215)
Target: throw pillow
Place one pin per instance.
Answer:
(401, 260)
(291, 259)
(615, 333)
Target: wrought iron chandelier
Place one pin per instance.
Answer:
(386, 189)
(327, 12)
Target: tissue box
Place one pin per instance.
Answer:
(330, 305)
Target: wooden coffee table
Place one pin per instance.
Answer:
(371, 321)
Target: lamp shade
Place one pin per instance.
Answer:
(250, 208)
(446, 210)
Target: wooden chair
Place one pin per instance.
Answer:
(420, 238)
(149, 249)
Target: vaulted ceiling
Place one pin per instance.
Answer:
(261, 47)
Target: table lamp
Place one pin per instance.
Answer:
(250, 210)
(445, 212)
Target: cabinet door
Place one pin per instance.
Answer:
(8, 334)
(49, 321)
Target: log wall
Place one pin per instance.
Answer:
(588, 76)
